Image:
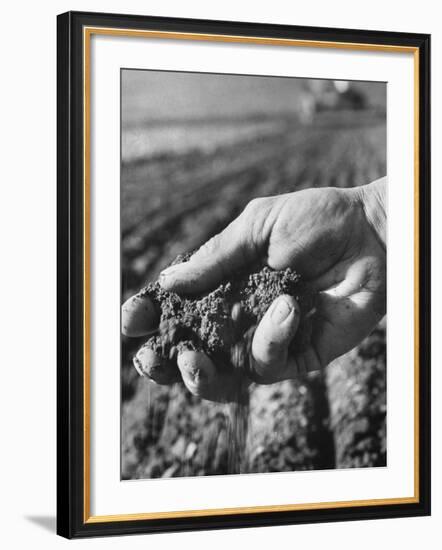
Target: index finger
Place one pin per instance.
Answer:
(217, 259)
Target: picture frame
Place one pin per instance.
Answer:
(75, 517)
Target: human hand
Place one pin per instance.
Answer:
(335, 238)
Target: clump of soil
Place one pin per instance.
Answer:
(216, 322)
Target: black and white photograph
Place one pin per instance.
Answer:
(243, 271)
(217, 304)
(253, 274)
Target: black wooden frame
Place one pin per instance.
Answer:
(70, 512)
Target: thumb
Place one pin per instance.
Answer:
(272, 338)
(223, 254)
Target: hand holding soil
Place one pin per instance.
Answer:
(334, 238)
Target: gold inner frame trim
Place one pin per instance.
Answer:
(87, 33)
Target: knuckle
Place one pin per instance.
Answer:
(255, 205)
(269, 360)
(214, 243)
(210, 247)
(257, 217)
(261, 372)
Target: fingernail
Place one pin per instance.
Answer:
(137, 365)
(138, 316)
(281, 310)
(167, 273)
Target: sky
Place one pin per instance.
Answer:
(160, 95)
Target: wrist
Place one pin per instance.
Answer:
(372, 198)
